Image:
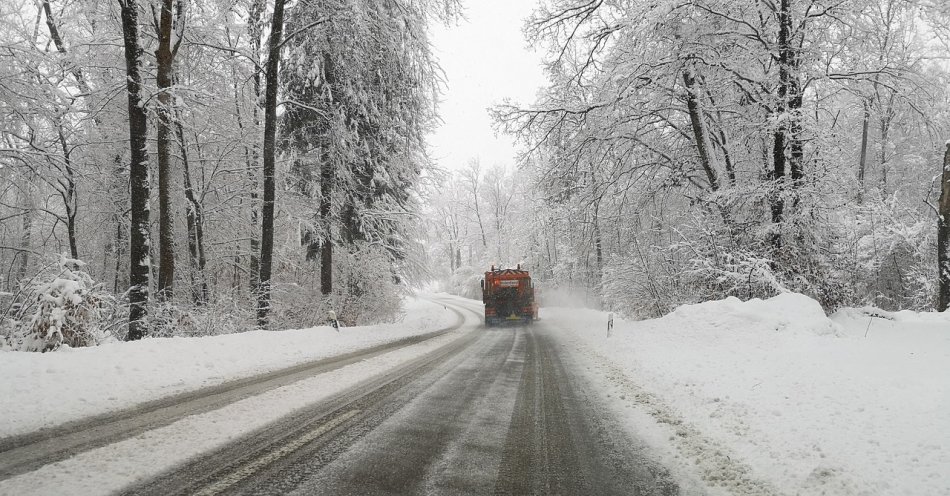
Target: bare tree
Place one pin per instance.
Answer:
(472, 177)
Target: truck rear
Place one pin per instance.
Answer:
(509, 297)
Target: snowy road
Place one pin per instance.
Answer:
(28, 452)
(493, 411)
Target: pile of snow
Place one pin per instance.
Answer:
(774, 394)
(45, 390)
(791, 313)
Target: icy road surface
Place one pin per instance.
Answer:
(474, 411)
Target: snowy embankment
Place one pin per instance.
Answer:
(40, 390)
(773, 396)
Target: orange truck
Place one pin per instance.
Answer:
(508, 295)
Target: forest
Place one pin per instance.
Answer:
(688, 150)
(196, 167)
(190, 167)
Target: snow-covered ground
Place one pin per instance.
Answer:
(47, 389)
(757, 397)
(772, 396)
(116, 466)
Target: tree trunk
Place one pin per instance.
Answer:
(165, 58)
(777, 176)
(138, 175)
(943, 235)
(270, 152)
(787, 134)
(255, 23)
(699, 127)
(887, 114)
(326, 246)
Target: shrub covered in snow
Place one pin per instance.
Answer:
(61, 306)
(365, 291)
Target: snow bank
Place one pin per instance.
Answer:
(806, 402)
(48, 389)
(787, 313)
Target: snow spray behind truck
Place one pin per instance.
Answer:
(508, 295)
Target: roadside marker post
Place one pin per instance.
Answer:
(335, 323)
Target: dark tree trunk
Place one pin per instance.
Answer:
(943, 235)
(270, 151)
(255, 23)
(787, 135)
(327, 177)
(791, 90)
(326, 247)
(165, 58)
(699, 127)
(71, 232)
(778, 175)
(138, 175)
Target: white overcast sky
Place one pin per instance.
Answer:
(486, 60)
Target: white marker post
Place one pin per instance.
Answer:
(335, 323)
